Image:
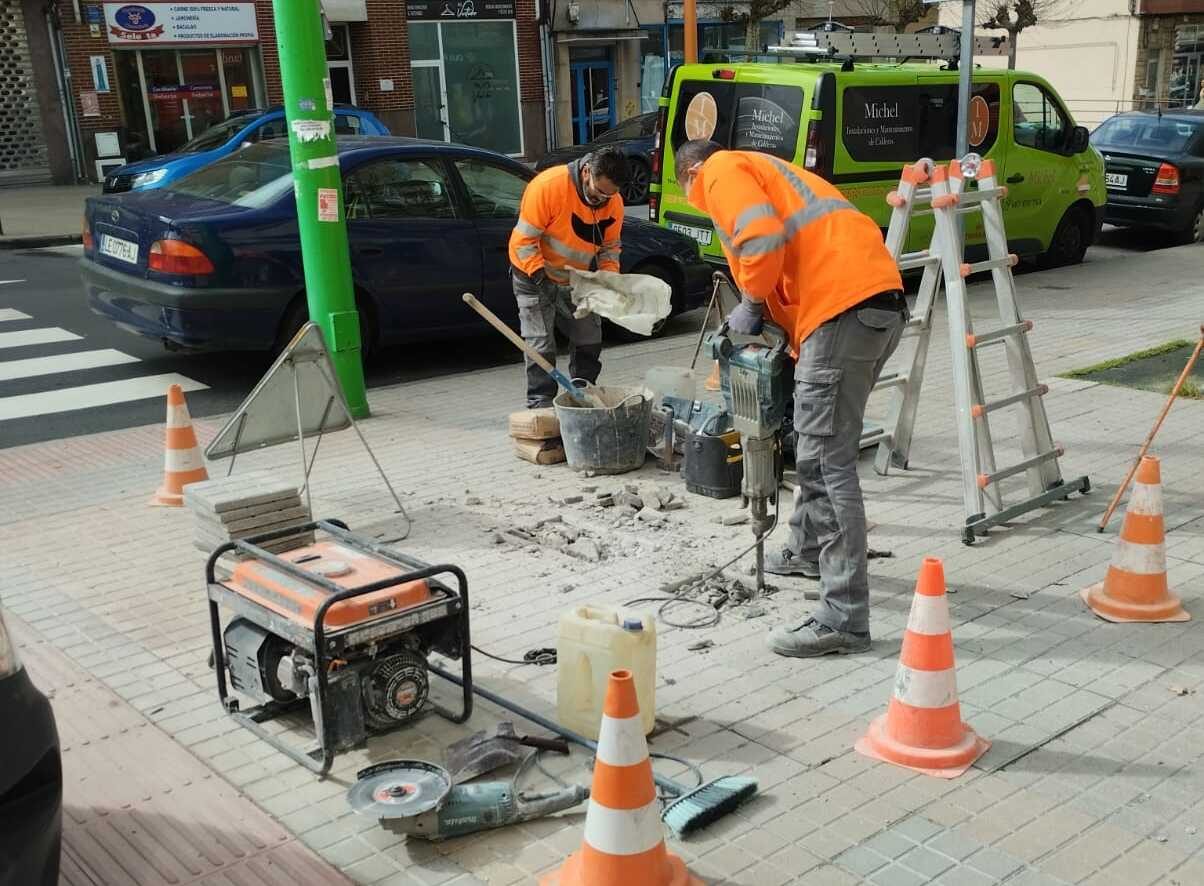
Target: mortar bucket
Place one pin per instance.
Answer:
(611, 440)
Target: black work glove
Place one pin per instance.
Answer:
(748, 317)
(547, 287)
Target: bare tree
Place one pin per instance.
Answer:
(898, 14)
(751, 15)
(1014, 16)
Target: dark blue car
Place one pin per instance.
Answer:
(222, 139)
(214, 260)
(634, 137)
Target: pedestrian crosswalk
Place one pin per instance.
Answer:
(67, 376)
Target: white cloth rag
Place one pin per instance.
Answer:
(634, 301)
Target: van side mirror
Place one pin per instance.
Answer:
(1079, 139)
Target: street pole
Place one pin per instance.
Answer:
(965, 70)
(689, 26)
(317, 186)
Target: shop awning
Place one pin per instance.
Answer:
(345, 10)
(580, 37)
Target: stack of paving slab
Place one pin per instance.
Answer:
(246, 505)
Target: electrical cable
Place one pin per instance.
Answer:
(544, 655)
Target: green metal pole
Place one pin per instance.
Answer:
(319, 192)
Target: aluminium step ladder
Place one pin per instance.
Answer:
(947, 199)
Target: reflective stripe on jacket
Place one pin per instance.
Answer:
(557, 229)
(791, 239)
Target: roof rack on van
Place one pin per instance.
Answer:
(936, 42)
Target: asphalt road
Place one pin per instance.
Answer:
(65, 371)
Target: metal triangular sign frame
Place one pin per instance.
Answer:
(298, 397)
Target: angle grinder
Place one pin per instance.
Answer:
(756, 393)
(417, 798)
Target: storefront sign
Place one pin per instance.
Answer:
(139, 24)
(436, 10)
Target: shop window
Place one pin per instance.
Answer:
(398, 189)
(466, 83)
(1037, 121)
(653, 61)
(494, 192)
(1186, 67)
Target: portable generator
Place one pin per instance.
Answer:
(344, 626)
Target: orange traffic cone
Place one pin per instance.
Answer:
(922, 728)
(714, 381)
(1135, 587)
(182, 462)
(624, 841)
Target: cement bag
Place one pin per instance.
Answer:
(634, 301)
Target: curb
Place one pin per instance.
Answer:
(40, 240)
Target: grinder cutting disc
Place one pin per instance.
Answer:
(399, 789)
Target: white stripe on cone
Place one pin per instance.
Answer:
(1146, 500)
(621, 741)
(176, 460)
(929, 615)
(925, 689)
(177, 416)
(1138, 558)
(623, 831)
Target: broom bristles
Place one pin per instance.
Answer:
(708, 803)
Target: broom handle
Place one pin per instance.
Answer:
(1150, 438)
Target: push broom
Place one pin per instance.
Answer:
(692, 809)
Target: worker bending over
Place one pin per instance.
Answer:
(571, 217)
(800, 251)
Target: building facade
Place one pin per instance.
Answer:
(147, 78)
(1105, 56)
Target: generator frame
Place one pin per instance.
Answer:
(325, 645)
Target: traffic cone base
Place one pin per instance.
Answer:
(947, 762)
(1135, 587)
(588, 867)
(182, 462)
(922, 728)
(624, 842)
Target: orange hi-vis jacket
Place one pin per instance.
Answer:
(791, 239)
(558, 230)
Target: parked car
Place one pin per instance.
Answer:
(856, 125)
(634, 138)
(222, 139)
(1154, 171)
(214, 260)
(31, 777)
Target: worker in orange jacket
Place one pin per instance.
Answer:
(571, 217)
(797, 249)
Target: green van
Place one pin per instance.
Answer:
(857, 125)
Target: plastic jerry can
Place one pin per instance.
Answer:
(593, 642)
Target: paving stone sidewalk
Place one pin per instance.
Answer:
(1095, 774)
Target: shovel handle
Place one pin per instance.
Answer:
(558, 745)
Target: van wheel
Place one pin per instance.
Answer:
(1070, 241)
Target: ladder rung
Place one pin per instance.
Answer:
(891, 380)
(912, 260)
(977, 340)
(1008, 261)
(914, 322)
(981, 195)
(978, 410)
(985, 480)
(875, 436)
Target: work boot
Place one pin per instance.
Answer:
(786, 562)
(811, 639)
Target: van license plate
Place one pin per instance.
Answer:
(702, 235)
(125, 250)
(1116, 180)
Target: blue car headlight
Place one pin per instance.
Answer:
(146, 179)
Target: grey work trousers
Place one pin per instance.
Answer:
(539, 319)
(837, 367)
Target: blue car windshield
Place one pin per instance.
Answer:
(215, 136)
(1159, 134)
(254, 177)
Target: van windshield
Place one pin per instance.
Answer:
(740, 116)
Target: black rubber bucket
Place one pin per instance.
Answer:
(714, 465)
(609, 440)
